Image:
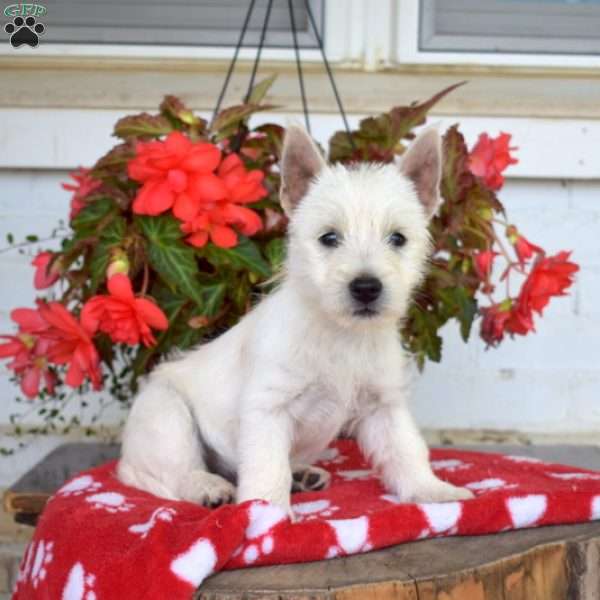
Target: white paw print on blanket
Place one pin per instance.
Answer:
(357, 474)
(442, 517)
(197, 563)
(80, 485)
(331, 456)
(160, 514)
(449, 464)
(522, 459)
(80, 585)
(492, 483)
(576, 476)
(111, 502)
(526, 510)
(262, 519)
(35, 562)
(352, 536)
(595, 508)
(316, 509)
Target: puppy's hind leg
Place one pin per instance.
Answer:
(162, 452)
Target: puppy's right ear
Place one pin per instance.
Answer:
(301, 162)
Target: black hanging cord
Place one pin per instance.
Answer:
(259, 51)
(299, 66)
(233, 60)
(329, 73)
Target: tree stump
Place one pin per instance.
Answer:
(549, 563)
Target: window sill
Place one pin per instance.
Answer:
(139, 84)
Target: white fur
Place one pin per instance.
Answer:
(277, 388)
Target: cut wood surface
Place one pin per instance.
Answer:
(548, 563)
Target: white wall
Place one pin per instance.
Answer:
(546, 382)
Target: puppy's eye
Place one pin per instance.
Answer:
(331, 239)
(397, 240)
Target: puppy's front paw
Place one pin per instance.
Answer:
(208, 489)
(309, 479)
(436, 490)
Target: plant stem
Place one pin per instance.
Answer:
(146, 279)
(25, 244)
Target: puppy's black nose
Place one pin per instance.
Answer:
(365, 289)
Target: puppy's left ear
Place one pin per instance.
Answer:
(301, 162)
(422, 164)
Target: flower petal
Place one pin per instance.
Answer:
(119, 286)
(151, 314)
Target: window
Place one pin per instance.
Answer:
(515, 26)
(521, 33)
(181, 23)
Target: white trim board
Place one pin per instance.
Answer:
(54, 139)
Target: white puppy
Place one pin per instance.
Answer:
(318, 356)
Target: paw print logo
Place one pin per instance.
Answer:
(80, 585)
(110, 502)
(24, 31)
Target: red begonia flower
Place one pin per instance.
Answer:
(525, 249)
(243, 186)
(33, 368)
(209, 225)
(28, 349)
(125, 318)
(44, 277)
(164, 168)
(83, 187)
(490, 157)
(483, 262)
(550, 276)
(493, 323)
(520, 321)
(71, 345)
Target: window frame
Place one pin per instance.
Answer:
(408, 51)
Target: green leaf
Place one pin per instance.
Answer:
(260, 90)
(32, 238)
(92, 214)
(245, 255)
(456, 176)
(229, 119)
(10, 238)
(379, 138)
(113, 163)
(170, 257)
(275, 252)
(421, 335)
(142, 126)
(213, 296)
(458, 303)
(173, 107)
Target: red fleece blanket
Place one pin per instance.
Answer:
(98, 539)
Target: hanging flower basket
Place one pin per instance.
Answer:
(177, 231)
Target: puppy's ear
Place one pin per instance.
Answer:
(422, 164)
(301, 162)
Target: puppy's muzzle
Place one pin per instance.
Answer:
(365, 291)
